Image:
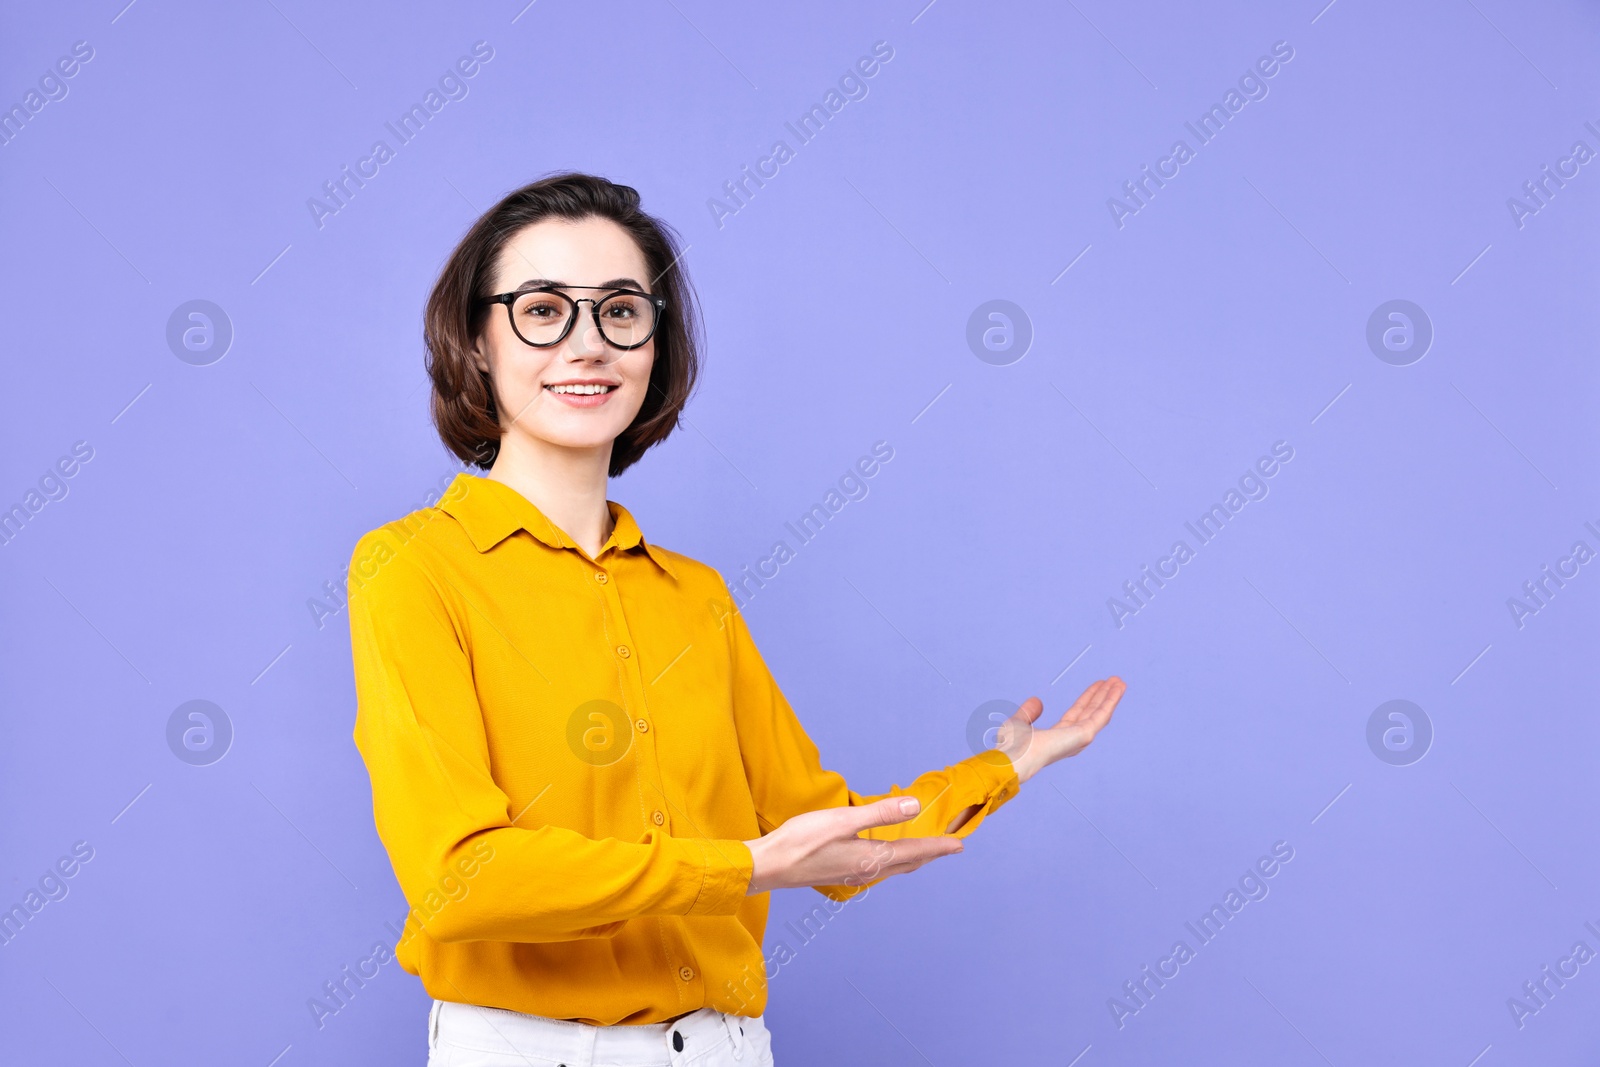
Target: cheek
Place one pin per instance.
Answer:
(514, 376)
(633, 368)
(646, 362)
(639, 374)
(516, 368)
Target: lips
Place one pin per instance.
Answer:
(581, 388)
(583, 393)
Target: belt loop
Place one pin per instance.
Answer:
(433, 1025)
(735, 1025)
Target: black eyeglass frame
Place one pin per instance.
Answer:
(508, 299)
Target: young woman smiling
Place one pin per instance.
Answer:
(586, 778)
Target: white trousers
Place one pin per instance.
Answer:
(470, 1035)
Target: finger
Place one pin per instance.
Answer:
(1080, 707)
(1100, 714)
(904, 868)
(913, 850)
(876, 876)
(1109, 697)
(922, 849)
(1111, 689)
(1016, 734)
(901, 868)
(885, 812)
(1086, 696)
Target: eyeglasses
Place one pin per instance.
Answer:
(544, 317)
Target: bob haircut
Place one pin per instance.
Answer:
(463, 403)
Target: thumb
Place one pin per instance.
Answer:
(1016, 735)
(885, 812)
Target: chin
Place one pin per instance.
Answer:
(579, 442)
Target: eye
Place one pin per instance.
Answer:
(541, 308)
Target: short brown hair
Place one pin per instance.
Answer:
(463, 404)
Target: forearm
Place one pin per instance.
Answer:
(553, 884)
(962, 817)
(1030, 763)
(1025, 767)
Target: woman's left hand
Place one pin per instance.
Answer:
(1031, 749)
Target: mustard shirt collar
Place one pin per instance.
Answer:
(490, 511)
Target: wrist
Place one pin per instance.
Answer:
(1027, 765)
(757, 868)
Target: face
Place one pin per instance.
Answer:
(534, 387)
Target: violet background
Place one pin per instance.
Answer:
(1223, 317)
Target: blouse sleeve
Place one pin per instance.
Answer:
(787, 778)
(437, 807)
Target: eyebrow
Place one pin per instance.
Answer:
(614, 283)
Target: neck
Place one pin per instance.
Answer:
(567, 484)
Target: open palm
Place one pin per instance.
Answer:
(1031, 748)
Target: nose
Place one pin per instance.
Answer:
(585, 342)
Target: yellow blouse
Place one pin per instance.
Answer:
(567, 755)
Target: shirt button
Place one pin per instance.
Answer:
(602, 578)
(642, 726)
(622, 650)
(686, 973)
(658, 817)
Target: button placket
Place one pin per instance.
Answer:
(675, 941)
(626, 651)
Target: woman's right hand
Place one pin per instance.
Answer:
(821, 847)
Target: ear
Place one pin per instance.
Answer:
(480, 358)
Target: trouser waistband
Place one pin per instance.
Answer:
(563, 1040)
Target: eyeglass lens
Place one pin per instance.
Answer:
(541, 317)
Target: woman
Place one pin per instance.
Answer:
(584, 775)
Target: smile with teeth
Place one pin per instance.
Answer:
(580, 390)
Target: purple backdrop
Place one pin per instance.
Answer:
(1374, 253)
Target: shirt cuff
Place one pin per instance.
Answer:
(727, 867)
(995, 775)
(988, 779)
